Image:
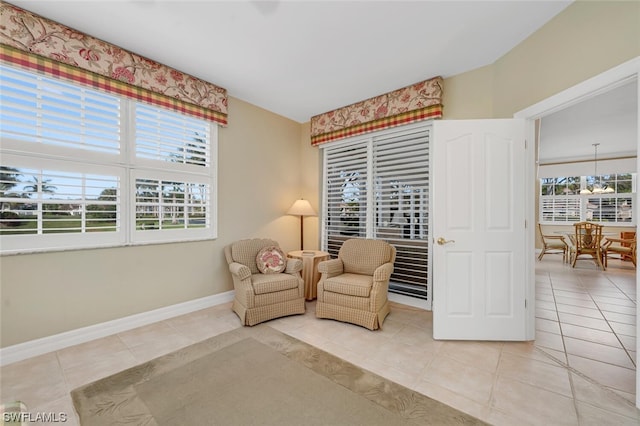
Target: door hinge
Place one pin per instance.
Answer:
(525, 303)
(526, 224)
(525, 144)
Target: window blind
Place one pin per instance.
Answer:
(38, 109)
(81, 168)
(378, 187)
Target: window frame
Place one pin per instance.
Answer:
(583, 200)
(123, 164)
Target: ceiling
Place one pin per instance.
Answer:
(302, 58)
(609, 119)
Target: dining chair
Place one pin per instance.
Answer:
(628, 235)
(553, 244)
(588, 241)
(620, 248)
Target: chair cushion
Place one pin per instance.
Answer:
(559, 246)
(619, 249)
(350, 284)
(245, 251)
(271, 260)
(362, 256)
(271, 283)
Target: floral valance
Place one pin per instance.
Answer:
(417, 102)
(33, 42)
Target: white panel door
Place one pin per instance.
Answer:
(478, 208)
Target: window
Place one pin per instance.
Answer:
(562, 202)
(377, 187)
(82, 168)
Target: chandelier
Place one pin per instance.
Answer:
(597, 186)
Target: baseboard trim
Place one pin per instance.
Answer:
(36, 347)
(410, 301)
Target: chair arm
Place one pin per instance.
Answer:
(293, 266)
(331, 267)
(621, 241)
(239, 270)
(383, 272)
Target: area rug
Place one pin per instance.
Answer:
(255, 376)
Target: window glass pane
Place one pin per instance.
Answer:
(560, 185)
(48, 201)
(620, 184)
(163, 205)
(611, 203)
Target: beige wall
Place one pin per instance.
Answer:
(468, 95)
(258, 180)
(584, 40)
(266, 162)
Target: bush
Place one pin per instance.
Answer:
(10, 219)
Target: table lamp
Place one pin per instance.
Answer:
(301, 208)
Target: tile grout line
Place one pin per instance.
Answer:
(566, 355)
(585, 377)
(609, 324)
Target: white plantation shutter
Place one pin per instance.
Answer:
(74, 162)
(173, 185)
(52, 204)
(166, 136)
(401, 176)
(346, 194)
(378, 187)
(560, 208)
(168, 207)
(607, 208)
(38, 109)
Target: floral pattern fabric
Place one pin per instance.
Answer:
(22, 30)
(271, 260)
(413, 103)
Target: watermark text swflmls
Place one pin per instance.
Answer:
(39, 417)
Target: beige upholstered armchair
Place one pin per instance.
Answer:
(353, 288)
(276, 291)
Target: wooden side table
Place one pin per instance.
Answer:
(310, 274)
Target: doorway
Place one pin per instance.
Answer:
(604, 82)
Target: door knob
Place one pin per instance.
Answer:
(442, 241)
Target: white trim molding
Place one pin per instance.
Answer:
(409, 301)
(615, 77)
(32, 348)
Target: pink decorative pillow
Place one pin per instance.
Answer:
(271, 260)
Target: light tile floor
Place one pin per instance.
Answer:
(580, 370)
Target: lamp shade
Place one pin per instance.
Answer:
(301, 208)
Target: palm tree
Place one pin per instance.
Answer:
(9, 177)
(36, 185)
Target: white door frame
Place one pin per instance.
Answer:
(617, 76)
